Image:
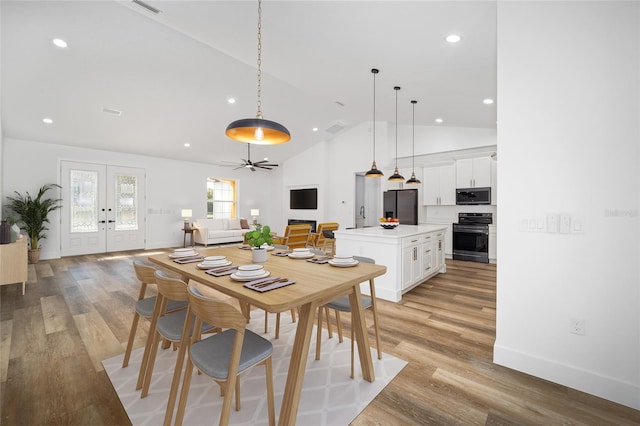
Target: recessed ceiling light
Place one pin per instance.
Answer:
(453, 38)
(488, 101)
(231, 100)
(187, 145)
(47, 120)
(315, 129)
(439, 120)
(60, 43)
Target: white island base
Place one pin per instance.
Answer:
(411, 253)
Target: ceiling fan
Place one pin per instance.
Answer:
(263, 164)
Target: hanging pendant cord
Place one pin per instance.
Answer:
(413, 138)
(396, 89)
(374, 116)
(259, 113)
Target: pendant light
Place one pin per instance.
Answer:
(258, 130)
(412, 180)
(374, 172)
(396, 177)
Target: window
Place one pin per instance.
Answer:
(221, 198)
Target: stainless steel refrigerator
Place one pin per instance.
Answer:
(403, 204)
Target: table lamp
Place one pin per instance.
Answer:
(255, 213)
(186, 215)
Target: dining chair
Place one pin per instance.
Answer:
(170, 327)
(295, 236)
(342, 304)
(319, 239)
(144, 305)
(224, 356)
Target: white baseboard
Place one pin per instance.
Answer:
(591, 382)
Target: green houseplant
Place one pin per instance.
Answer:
(258, 238)
(33, 216)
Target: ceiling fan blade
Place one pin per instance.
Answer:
(269, 164)
(229, 162)
(239, 167)
(253, 169)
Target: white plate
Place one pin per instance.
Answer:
(214, 258)
(184, 254)
(237, 278)
(300, 250)
(249, 267)
(342, 264)
(180, 250)
(217, 265)
(300, 256)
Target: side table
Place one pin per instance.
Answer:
(190, 232)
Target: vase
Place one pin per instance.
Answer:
(258, 254)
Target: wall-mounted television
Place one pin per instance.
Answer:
(303, 199)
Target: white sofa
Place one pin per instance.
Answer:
(215, 231)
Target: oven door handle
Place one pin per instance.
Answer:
(471, 231)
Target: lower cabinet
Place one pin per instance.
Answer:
(422, 257)
(411, 254)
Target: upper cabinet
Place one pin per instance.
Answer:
(473, 172)
(439, 185)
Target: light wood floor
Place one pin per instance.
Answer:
(77, 311)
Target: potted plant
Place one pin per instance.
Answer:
(259, 240)
(33, 216)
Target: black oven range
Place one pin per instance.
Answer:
(471, 237)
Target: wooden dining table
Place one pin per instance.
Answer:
(315, 285)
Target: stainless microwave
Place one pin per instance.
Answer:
(473, 196)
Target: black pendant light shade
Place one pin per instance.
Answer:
(396, 177)
(258, 130)
(412, 180)
(374, 172)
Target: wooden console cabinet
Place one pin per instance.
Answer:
(13, 263)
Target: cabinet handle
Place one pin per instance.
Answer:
(415, 253)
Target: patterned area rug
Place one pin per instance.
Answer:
(329, 396)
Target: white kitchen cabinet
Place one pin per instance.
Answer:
(473, 172)
(401, 250)
(439, 183)
(428, 260)
(411, 261)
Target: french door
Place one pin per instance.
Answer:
(102, 209)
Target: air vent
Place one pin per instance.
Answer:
(111, 111)
(335, 128)
(146, 7)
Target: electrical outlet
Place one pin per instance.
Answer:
(577, 326)
(552, 222)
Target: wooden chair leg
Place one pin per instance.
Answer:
(150, 365)
(237, 394)
(326, 313)
(352, 352)
(319, 333)
(184, 393)
(293, 315)
(132, 336)
(266, 322)
(277, 325)
(339, 325)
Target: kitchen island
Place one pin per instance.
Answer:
(411, 253)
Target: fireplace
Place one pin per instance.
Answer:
(302, 222)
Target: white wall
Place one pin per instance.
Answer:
(170, 186)
(568, 112)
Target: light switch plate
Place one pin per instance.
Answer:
(552, 223)
(565, 224)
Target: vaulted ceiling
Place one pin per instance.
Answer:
(171, 74)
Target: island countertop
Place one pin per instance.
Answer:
(400, 231)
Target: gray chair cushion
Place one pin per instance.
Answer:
(145, 306)
(342, 304)
(170, 326)
(212, 355)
